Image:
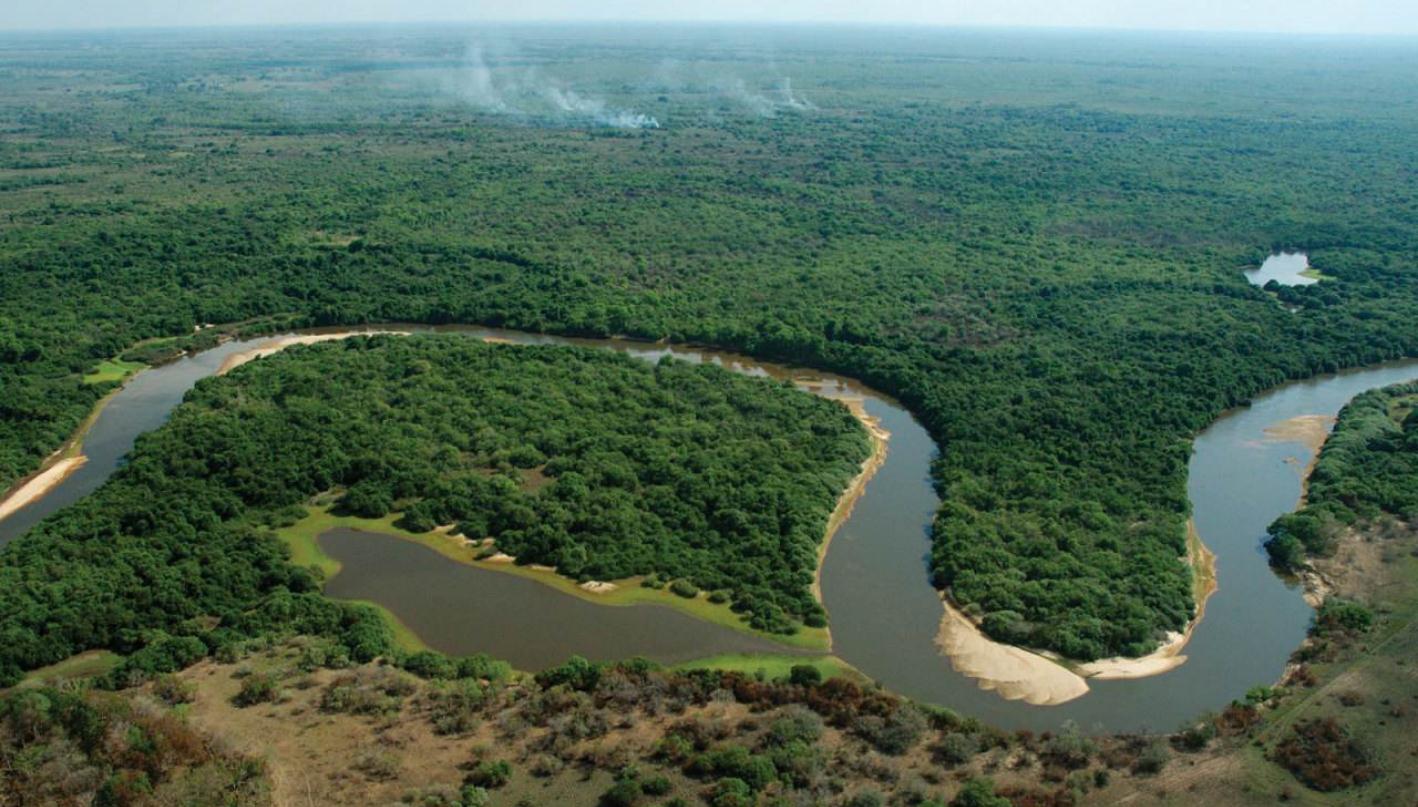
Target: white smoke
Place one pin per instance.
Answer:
(476, 84)
(792, 100)
(763, 104)
(525, 93)
(572, 103)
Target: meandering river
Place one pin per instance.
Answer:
(884, 613)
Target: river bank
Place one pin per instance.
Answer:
(855, 490)
(1045, 679)
(1009, 671)
(610, 592)
(1168, 656)
(58, 466)
(35, 486)
(277, 344)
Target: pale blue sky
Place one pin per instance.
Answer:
(1308, 16)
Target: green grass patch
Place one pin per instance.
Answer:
(112, 371)
(85, 665)
(404, 636)
(772, 666)
(305, 551)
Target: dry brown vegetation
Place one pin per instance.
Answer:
(373, 734)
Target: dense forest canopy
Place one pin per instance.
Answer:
(594, 462)
(1367, 471)
(1033, 240)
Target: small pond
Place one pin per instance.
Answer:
(1285, 268)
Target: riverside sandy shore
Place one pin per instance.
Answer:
(1311, 431)
(280, 343)
(1044, 680)
(1169, 655)
(1012, 672)
(854, 491)
(41, 483)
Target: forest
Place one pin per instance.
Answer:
(1367, 472)
(1037, 250)
(593, 462)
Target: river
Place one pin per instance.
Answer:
(884, 614)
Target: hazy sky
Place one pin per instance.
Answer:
(1311, 16)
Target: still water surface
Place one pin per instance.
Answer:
(1284, 268)
(884, 613)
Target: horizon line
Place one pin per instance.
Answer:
(747, 23)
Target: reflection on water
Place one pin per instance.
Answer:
(463, 609)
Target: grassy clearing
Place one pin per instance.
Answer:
(112, 370)
(84, 665)
(1314, 274)
(404, 637)
(305, 551)
(1203, 565)
(773, 667)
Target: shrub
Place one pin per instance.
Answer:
(804, 675)
(795, 723)
(731, 792)
(979, 792)
(624, 793)
(894, 734)
(256, 688)
(474, 796)
(865, 798)
(1338, 615)
(655, 786)
(430, 665)
(1322, 755)
(491, 774)
(453, 709)
(367, 500)
(164, 654)
(1152, 759)
(174, 690)
(736, 762)
(378, 766)
(956, 748)
(1069, 750)
(1195, 737)
(577, 673)
(684, 588)
(483, 667)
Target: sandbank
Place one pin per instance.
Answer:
(848, 499)
(1011, 672)
(1045, 680)
(282, 342)
(38, 485)
(1169, 656)
(1311, 431)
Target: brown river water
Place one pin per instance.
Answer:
(884, 613)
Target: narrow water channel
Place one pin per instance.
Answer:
(884, 614)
